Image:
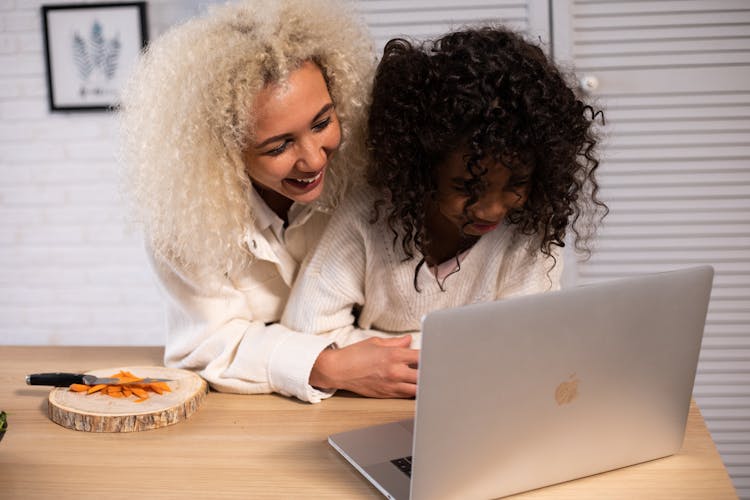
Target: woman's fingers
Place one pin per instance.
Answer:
(406, 390)
(393, 372)
(408, 374)
(405, 354)
(403, 341)
(375, 367)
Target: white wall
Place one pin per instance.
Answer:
(71, 272)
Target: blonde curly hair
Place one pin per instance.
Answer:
(185, 119)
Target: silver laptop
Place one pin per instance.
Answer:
(531, 391)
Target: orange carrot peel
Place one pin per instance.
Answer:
(128, 385)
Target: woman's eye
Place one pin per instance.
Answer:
(516, 184)
(459, 186)
(321, 125)
(461, 190)
(278, 150)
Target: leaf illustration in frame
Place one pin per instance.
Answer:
(97, 44)
(110, 60)
(81, 57)
(89, 49)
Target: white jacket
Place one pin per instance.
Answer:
(227, 330)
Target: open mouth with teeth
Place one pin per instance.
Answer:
(304, 183)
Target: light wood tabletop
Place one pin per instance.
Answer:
(263, 446)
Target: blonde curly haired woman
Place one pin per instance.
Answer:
(240, 131)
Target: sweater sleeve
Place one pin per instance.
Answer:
(213, 331)
(332, 280)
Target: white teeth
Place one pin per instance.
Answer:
(310, 180)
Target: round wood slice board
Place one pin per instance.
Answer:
(101, 413)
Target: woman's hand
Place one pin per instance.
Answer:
(375, 367)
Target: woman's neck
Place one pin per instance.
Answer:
(280, 204)
(444, 239)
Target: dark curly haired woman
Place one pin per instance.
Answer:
(483, 158)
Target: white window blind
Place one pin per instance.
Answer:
(674, 79)
(422, 19)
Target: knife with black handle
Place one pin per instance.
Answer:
(65, 379)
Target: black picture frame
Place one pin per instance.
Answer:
(89, 51)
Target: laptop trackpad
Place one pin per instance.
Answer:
(371, 450)
(390, 479)
(373, 445)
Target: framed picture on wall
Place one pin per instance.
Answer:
(90, 50)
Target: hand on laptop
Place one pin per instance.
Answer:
(375, 367)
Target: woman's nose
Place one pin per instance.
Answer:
(489, 208)
(313, 155)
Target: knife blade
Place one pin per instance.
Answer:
(65, 379)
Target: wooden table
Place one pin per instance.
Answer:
(255, 446)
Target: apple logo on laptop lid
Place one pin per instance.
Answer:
(567, 391)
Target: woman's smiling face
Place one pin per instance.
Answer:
(501, 194)
(296, 133)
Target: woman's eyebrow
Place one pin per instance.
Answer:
(325, 109)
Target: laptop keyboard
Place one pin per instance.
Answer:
(403, 464)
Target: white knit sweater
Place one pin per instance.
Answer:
(356, 264)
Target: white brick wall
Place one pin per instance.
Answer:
(71, 270)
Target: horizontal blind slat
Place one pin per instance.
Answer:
(448, 6)
(667, 19)
(674, 46)
(584, 9)
(655, 34)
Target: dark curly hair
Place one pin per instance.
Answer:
(490, 91)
